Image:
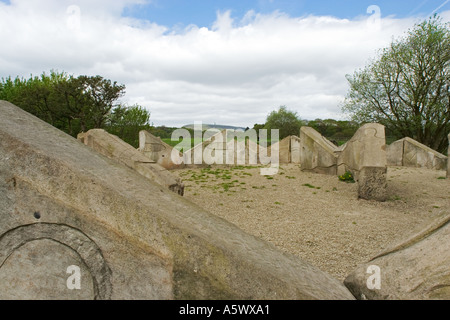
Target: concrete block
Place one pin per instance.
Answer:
(416, 268)
(157, 150)
(284, 149)
(394, 153)
(316, 152)
(416, 154)
(365, 156)
(114, 148)
(448, 161)
(295, 149)
(372, 183)
(410, 153)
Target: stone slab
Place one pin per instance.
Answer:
(416, 268)
(118, 150)
(157, 150)
(364, 155)
(316, 152)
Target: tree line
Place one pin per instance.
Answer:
(337, 131)
(289, 123)
(77, 104)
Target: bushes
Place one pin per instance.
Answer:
(347, 177)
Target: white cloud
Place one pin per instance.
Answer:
(234, 73)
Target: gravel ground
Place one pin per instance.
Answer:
(316, 216)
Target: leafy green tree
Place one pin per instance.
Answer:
(285, 120)
(101, 96)
(36, 95)
(126, 122)
(72, 104)
(258, 126)
(407, 88)
(334, 129)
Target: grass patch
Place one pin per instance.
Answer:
(310, 186)
(240, 167)
(256, 187)
(347, 177)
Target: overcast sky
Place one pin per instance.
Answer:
(225, 62)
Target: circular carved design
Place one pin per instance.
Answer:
(73, 238)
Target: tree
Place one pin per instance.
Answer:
(37, 96)
(101, 96)
(258, 127)
(334, 129)
(407, 88)
(285, 120)
(126, 122)
(72, 104)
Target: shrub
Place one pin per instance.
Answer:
(347, 177)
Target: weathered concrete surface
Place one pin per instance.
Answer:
(295, 149)
(448, 158)
(284, 149)
(394, 153)
(136, 239)
(415, 269)
(157, 150)
(221, 147)
(115, 148)
(43, 262)
(410, 153)
(365, 156)
(316, 152)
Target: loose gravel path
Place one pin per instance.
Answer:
(316, 216)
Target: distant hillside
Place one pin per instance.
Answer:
(214, 126)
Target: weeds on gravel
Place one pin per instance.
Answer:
(310, 186)
(256, 187)
(224, 179)
(347, 177)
